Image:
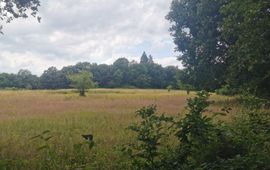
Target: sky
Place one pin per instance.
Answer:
(95, 31)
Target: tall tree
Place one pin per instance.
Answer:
(25, 79)
(102, 74)
(53, 79)
(138, 76)
(157, 75)
(246, 27)
(150, 59)
(121, 63)
(13, 9)
(8, 80)
(197, 35)
(120, 72)
(144, 58)
(172, 75)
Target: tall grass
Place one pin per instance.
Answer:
(105, 113)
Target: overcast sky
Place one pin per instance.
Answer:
(96, 31)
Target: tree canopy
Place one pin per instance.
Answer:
(195, 29)
(223, 42)
(246, 28)
(82, 81)
(13, 9)
(121, 74)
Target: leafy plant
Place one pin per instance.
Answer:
(145, 154)
(82, 81)
(169, 88)
(201, 142)
(226, 90)
(184, 86)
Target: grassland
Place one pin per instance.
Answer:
(103, 112)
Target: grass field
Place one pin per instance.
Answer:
(104, 112)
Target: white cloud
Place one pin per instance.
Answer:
(88, 30)
(13, 62)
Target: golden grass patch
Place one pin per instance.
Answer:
(103, 112)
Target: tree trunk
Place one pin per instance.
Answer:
(82, 92)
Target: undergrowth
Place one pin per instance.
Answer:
(201, 142)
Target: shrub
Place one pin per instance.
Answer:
(183, 86)
(226, 90)
(202, 143)
(169, 88)
(145, 154)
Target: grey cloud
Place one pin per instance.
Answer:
(88, 30)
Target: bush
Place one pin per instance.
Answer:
(226, 90)
(145, 154)
(169, 88)
(183, 86)
(201, 142)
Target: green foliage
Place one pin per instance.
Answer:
(53, 79)
(22, 80)
(13, 9)
(223, 42)
(203, 143)
(144, 58)
(251, 132)
(195, 132)
(246, 29)
(121, 73)
(149, 133)
(226, 90)
(169, 88)
(196, 33)
(183, 86)
(82, 81)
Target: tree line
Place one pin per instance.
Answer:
(121, 74)
(224, 43)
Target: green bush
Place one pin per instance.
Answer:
(226, 90)
(169, 88)
(146, 153)
(183, 86)
(201, 142)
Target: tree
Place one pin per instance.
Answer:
(117, 80)
(7, 80)
(197, 35)
(13, 9)
(120, 72)
(82, 81)
(150, 59)
(25, 79)
(144, 58)
(121, 63)
(138, 76)
(246, 27)
(53, 79)
(172, 74)
(102, 74)
(157, 75)
(224, 42)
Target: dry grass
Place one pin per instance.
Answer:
(104, 112)
(16, 104)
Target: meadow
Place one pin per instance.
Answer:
(64, 117)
